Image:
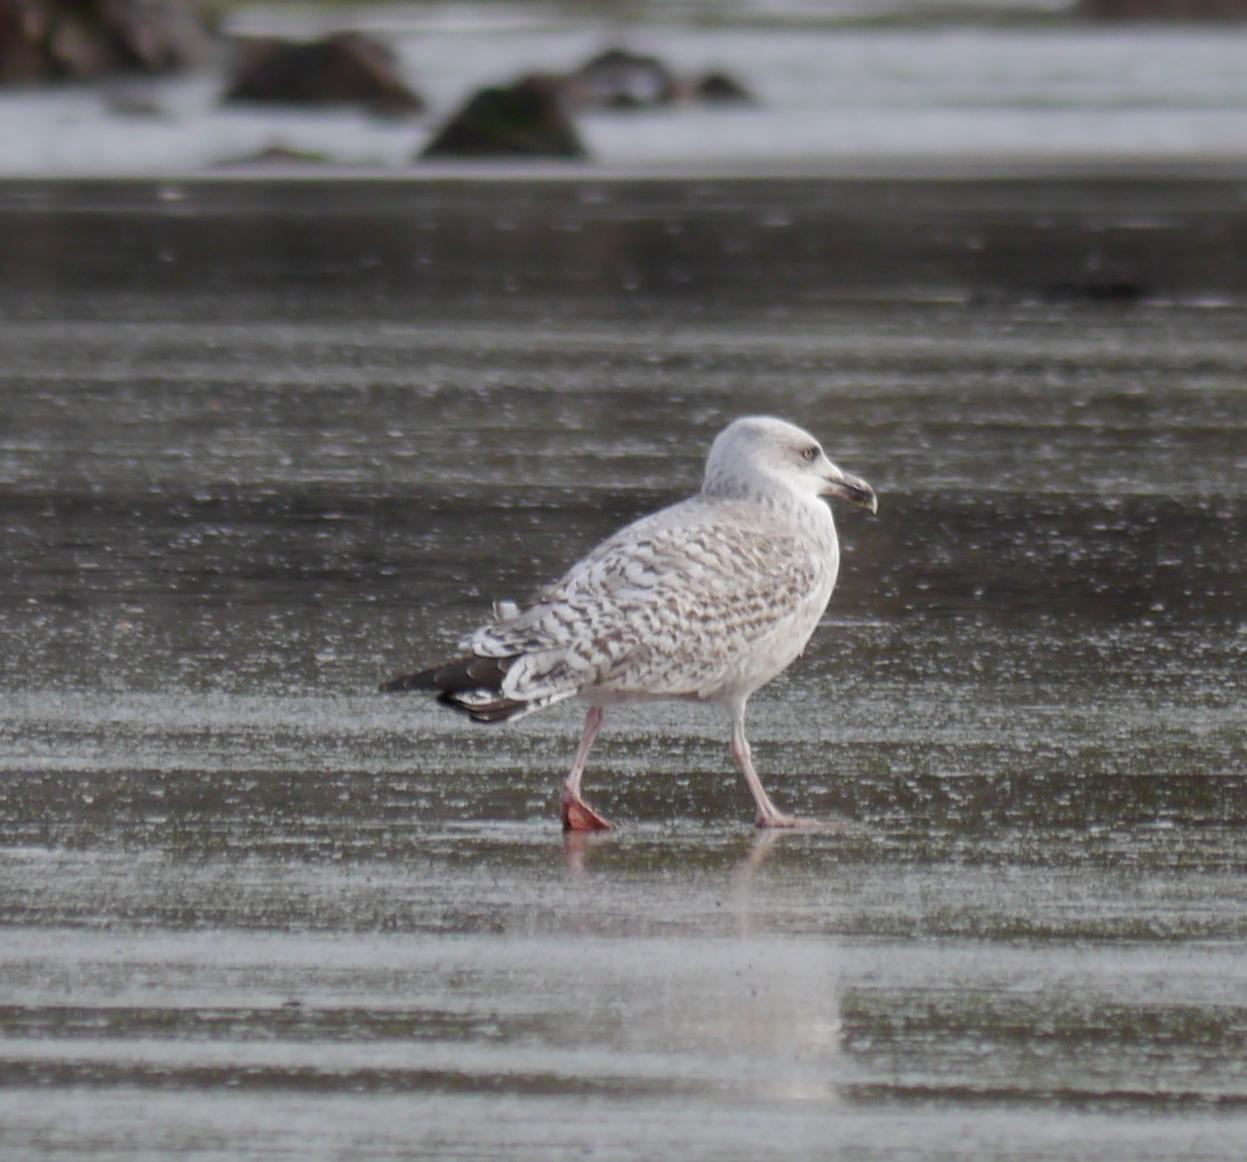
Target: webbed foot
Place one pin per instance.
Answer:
(577, 815)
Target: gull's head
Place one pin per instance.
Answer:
(755, 454)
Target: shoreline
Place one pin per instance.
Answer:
(1159, 168)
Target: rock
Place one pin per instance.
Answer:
(1162, 9)
(347, 68)
(724, 88)
(618, 79)
(526, 119)
(50, 40)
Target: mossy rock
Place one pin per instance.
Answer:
(526, 119)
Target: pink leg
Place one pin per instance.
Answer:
(767, 814)
(577, 814)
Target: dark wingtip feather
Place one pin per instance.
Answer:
(497, 711)
(463, 676)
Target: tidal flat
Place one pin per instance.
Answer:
(264, 443)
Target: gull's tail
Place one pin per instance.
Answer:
(472, 685)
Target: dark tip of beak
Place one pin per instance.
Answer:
(856, 492)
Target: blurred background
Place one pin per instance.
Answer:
(147, 87)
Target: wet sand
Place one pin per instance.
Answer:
(266, 443)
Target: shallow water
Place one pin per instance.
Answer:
(265, 444)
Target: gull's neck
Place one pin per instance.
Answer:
(775, 494)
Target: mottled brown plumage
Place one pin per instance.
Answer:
(704, 601)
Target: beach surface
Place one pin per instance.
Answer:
(266, 442)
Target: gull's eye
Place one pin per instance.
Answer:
(810, 454)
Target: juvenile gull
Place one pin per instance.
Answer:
(704, 601)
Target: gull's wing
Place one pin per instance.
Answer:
(673, 605)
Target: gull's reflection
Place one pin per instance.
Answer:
(760, 848)
(766, 839)
(576, 848)
(787, 1023)
(705, 970)
(761, 842)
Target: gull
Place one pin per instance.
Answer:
(704, 601)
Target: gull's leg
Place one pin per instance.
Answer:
(767, 813)
(577, 814)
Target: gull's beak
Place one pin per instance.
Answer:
(851, 488)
